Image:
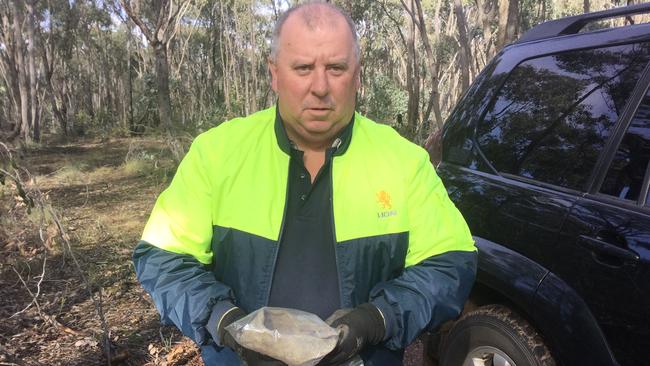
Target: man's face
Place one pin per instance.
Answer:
(316, 77)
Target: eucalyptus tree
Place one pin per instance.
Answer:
(158, 21)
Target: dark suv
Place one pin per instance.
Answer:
(547, 156)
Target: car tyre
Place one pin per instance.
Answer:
(494, 335)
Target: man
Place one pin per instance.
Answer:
(307, 205)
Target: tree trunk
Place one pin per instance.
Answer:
(465, 51)
(224, 59)
(253, 60)
(10, 76)
(542, 11)
(159, 39)
(433, 66)
(33, 92)
(162, 83)
(489, 10)
(585, 6)
(412, 77)
(502, 30)
(508, 22)
(513, 21)
(59, 113)
(131, 122)
(25, 118)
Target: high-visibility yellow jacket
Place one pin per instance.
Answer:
(213, 235)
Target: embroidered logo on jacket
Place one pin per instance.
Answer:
(385, 204)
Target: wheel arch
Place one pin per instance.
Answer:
(544, 300)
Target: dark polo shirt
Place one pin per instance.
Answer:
(305, 275)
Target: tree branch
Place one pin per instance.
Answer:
(397, 25)
(136, 19)
(160, 20)
(177, 18)
(38, 289)
(410, 12)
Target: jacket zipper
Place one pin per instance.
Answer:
(277, 247)
(335, 242)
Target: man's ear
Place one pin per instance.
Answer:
(274, 74)
(357, 82)
(357, 77)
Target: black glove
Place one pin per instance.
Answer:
(250, 357)
(362, 326)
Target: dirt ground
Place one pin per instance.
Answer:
(102, 193)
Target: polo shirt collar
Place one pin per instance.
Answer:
(340, 144)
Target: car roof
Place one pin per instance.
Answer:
(513, 54)
(574, 24)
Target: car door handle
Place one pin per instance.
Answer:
(603, 249)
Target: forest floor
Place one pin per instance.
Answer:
(68, 265)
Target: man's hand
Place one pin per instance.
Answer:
(250, 357)
(359, 327)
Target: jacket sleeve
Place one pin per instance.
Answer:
(440, 265)
(172, 260)
(185, 293)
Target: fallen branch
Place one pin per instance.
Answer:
(97, 301)
(38, 290)
(33, 198)
(52, 320)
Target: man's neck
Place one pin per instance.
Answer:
(313, 146)
(314, 153)
(313, 161)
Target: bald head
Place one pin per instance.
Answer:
(315, 15)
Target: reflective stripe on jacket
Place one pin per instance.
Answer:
(400, 241)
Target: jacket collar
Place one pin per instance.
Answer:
(339, 146)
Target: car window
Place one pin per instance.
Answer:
(628, 169)
(553, 114)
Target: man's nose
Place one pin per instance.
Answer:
(320, 83)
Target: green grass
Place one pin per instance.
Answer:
(72, 173)
(137, 167)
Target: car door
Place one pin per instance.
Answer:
(533, 152)
(605, 242)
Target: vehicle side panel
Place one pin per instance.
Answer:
(568, 326)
